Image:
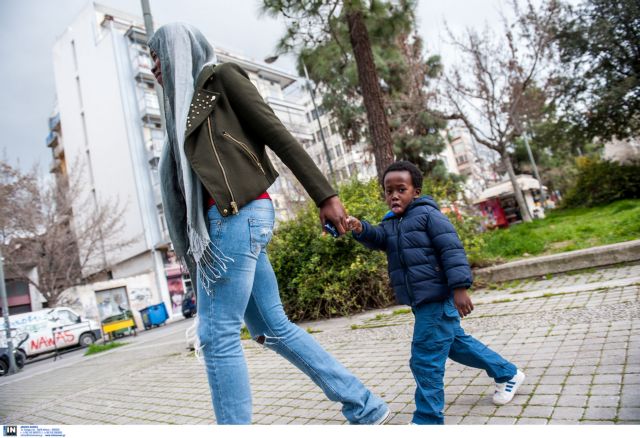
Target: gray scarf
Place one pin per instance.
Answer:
(183, 52)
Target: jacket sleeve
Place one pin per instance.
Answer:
(372, 237)
(260, 119)
(448, 246)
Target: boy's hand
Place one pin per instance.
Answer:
(354, 224)
(462, 301)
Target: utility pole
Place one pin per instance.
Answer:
(148, 27)
(543, 197)
(5, 313)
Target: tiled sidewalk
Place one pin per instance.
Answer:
(580, 350)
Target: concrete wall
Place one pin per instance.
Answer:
(92, 92)
(142, 292)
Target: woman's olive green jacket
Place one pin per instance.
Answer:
(228, 127)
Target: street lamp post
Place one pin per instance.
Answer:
(272, 59)
(543, 197)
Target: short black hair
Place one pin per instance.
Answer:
(416, 174)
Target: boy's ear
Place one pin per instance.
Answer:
(417, 191)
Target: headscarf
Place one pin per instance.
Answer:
(183, 52)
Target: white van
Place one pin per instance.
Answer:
(51, 329)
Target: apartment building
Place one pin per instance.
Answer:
(463, 156)
(109, 112)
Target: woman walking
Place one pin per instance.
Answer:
(214, 174)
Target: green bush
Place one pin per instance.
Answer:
(322, 277)
(602, 182)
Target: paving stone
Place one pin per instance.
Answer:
(552, 380)
(555, 421)
(604, 400)
(457, 409)
(527, 420)
(502, 420)
(508, 411)
(600, 413)
(548, 389)
(579, 380)
(452, 420)
(544, 400)
(537, 411)
(630, 400)
(470, 419)
(605, 389)
(563, 413)
(629, 414)
(572, 401)
(631, 379)
(575, 390)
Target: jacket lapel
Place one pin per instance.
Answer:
(201, 106)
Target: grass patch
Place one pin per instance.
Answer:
(99, 348)
(311, 330)
(244, 333)
(401, 311)
(371, 326)
(517, 291)
(566, 230)
(504, 300)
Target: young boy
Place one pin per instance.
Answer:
(429, 271)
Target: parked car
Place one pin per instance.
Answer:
(189, 307)
(18, 354)
(52, 329)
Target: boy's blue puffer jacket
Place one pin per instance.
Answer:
(425, 256)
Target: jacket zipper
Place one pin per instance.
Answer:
(404, 265)
(234, 205)
(244, 147)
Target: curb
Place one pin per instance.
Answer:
(562, 262)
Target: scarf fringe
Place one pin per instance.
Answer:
(211, 261)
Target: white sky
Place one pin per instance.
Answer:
(28, 29)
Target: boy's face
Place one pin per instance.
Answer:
(399, 191)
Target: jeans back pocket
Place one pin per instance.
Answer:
(260, 231)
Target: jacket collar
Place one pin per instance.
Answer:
(422, 200)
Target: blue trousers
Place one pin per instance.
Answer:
(437, 334)
(248, 291)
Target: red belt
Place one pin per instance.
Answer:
(211, 202)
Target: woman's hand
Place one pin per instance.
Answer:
(332, 210)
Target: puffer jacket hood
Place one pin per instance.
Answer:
(426, 259)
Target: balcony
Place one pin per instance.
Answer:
(58, 151)
(153, 156)
(137, 35)
(52, 139)
(56, 166)
(54, 122)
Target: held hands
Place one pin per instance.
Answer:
(462, 302)
(354, 224)
(332, 210)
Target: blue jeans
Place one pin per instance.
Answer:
(248, 291)
(437, 335)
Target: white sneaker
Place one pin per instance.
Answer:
(505, 391)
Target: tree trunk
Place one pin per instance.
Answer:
(370, 86)
(524, 210)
